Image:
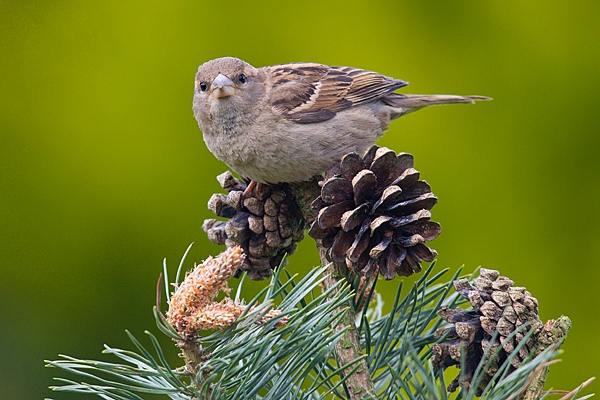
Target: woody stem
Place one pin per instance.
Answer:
(348, 349)
(358, 384)
(553, 333)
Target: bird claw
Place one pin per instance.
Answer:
(250, 188)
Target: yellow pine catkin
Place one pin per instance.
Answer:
(192, 308)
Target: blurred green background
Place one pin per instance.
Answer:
(103, 170)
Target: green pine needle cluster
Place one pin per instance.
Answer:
(251, 360)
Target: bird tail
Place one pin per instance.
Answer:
(413, 102)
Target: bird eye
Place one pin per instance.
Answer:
(203, 86)
(242, 78)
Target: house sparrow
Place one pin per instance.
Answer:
(287, 123)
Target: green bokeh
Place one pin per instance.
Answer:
(103, 171)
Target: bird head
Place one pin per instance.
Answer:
(226, 88)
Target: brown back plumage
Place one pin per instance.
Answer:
(306, 92)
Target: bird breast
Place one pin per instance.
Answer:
(273, 149)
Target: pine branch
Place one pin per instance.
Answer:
(553, 334)
(348, 350)
(359, 384)
(252, 360)
(337, 344)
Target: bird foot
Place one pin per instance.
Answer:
(250, 188)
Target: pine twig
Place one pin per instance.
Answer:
(553, 334)
(347, 349)
(194, 357)
(359, 384)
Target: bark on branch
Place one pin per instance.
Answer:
(359, 384)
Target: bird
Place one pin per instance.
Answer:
(290, 122)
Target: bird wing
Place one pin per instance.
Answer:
(307, 93)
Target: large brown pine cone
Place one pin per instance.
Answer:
(373, 213)
(267, 224)
(496, 305)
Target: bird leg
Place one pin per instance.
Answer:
(251, 187)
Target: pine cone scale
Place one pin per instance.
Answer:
(394, 258)
(341, 243)
(360, 243)
(388, 197)
(423, 252)
(363, 185)
(337, 190)
(426, 201)
(429, 230)
(407, 179)
(409, 241)
(377, 222)
(381, 246)
(353, 218)
(383, 163)
(350, 165)
(331, 216)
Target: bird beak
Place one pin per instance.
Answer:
(222, 86)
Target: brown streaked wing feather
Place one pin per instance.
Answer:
(294, 84)
(307, 93)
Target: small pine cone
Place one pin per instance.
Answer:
(496, 305)
(267, 224)
(373, 213)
